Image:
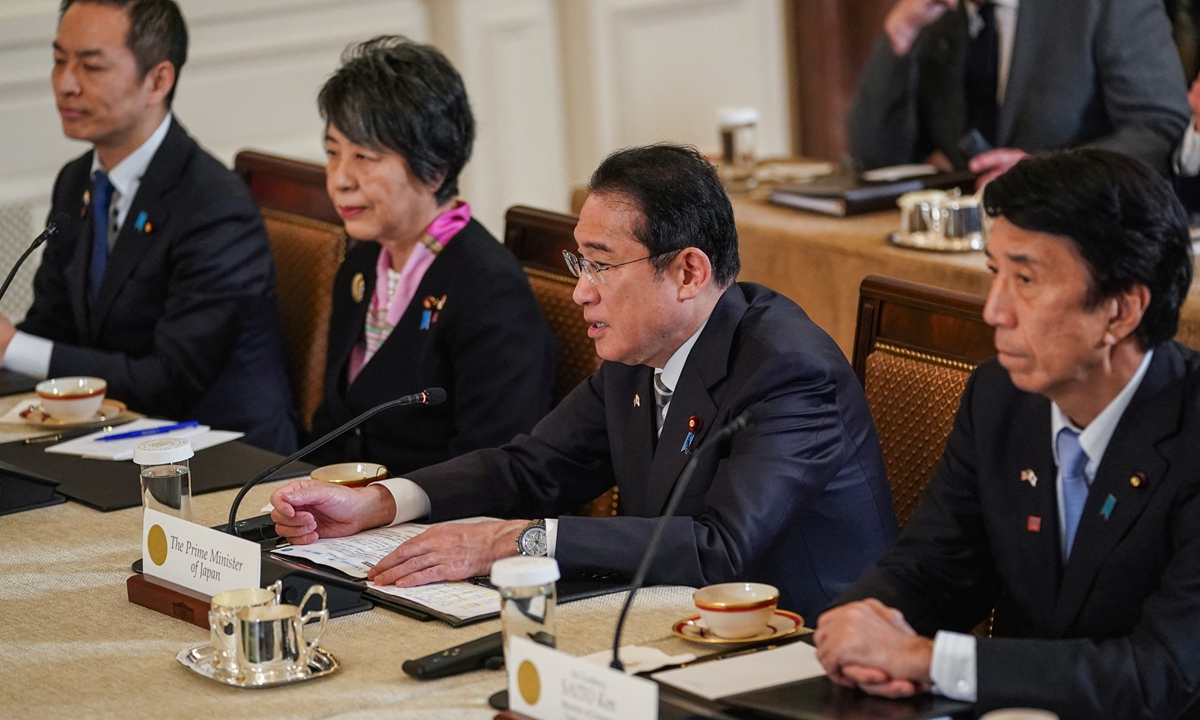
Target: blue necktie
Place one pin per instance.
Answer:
(1072, 460)
(101, 197)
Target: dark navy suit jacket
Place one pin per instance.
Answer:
(1115, 631)
(185, 325)
(798, 500)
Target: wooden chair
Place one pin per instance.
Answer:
(914, 348)
(537, 238)
(293, 186)
(307, 256)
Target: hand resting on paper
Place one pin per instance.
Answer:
(306, 510)
(869, 645)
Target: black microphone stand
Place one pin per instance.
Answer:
(50, 231)
(738, 423)
(430, 396)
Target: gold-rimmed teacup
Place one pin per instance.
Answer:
(738, 609)
(350, 474)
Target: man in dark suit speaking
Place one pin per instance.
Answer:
(1068, 498)
(162, 283)
(798, 500)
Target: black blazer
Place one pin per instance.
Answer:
(1116, 631)
(489, 347)
(799, 499)
(1102, 73)
(185, 325)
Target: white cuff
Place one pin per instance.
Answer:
(1187, 158)
(29, 354)
(551, 535)
(411, 501)
(952, 667)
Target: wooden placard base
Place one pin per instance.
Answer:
(169, 599)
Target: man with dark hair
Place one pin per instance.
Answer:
(798, 500)
(1068, 498)
(162, 282)
(980, 83)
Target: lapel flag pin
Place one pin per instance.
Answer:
(1109, 503)
(433, 307)
(1030, 477)
(1138, 479)
(637, 400)
(1033, 524)
(142, 223)
(687, 443)
(358, 287)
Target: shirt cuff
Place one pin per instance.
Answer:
(411, 501)
(1187, 158)
(29, 354)
(952, 667)
(551, 535)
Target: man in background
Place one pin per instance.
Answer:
(162, 283)
(980, 84)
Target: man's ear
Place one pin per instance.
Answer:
(694, 270)
(160, 80)
(1128, 308)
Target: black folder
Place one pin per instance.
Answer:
(114, 485)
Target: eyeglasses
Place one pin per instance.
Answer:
(594, 272)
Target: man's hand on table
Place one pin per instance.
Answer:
(994, 163)
(306, 510)
(869, 645)
(452, 551)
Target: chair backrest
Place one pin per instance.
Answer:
(293, 186)
(914, 349)
(537, 238)
(307, 256)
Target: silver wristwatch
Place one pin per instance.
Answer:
(532, 542)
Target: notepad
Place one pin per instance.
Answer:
(201, 437)
(744, 673)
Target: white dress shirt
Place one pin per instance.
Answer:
(30, 354)
(952, 667)
(412, 502)
(1005, 14)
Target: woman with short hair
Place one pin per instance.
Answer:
(431, 299)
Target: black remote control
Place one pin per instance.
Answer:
(485, 653)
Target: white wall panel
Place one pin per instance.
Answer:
(640, 71)
(508, 54)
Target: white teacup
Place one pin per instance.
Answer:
(1019, 714)
(350, 474)
(71, 399)
(737, 610)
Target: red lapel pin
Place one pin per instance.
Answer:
(1033, 524)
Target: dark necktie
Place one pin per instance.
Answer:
(101, 198)
(1072, 460)
(662, 396)
(982, 74)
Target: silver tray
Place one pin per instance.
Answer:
(200, 661)
(928, 241)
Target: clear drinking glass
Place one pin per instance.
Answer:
(527, 598)
(166, 476)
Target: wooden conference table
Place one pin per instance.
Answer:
(820, 261)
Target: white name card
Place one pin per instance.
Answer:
(197, 557)
(547, 684)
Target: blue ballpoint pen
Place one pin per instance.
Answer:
(149, 431)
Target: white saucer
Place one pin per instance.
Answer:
(110, 412)
(783, 623)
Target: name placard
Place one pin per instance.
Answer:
(197, 557)
(547, 684)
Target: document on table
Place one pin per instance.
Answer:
(462, 600)
(744, 673)
(200, 437)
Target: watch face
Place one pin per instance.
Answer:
(533, 542)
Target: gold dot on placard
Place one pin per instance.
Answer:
(529, 683)
(156, 543)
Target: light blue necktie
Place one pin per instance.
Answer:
(1072, 460)
(101, 198)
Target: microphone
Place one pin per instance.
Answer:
(428, 396)
(60, 219)
(737, 424)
